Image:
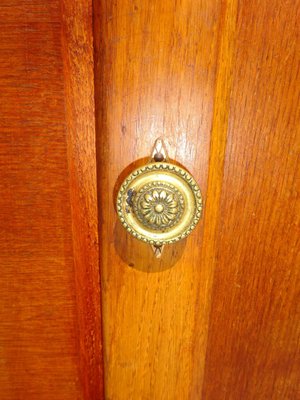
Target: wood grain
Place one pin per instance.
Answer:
(79, 100)
(217, 317)
(253, 348)
(225, 66)
(155, 76)
(49, 305)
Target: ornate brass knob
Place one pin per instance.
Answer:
(159, 203)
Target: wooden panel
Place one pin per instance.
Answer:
(45, 337)
(155, 76)
(225, 65)
(78, 59)
(254, 323)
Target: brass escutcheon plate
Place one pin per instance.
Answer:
(159, 203)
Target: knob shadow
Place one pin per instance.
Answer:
(140, 256)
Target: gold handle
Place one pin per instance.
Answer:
(159, 203)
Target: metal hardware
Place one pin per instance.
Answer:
(159, 203)
(159, 151)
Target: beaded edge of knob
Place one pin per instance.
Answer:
(181, 173)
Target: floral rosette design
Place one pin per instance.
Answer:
(159, 205)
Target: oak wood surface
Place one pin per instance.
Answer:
(49, 311)
(217, 317)
(219, 82)
(78, 60)
(253, 348)
(155, 76)
(225, 65)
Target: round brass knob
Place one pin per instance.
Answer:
(159, 203)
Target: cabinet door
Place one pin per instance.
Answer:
(215, 317)
(50, 343)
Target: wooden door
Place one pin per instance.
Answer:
(50, 331)
(217, 317)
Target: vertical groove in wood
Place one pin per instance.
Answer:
(77, 38)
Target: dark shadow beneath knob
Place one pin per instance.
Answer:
(140, 256)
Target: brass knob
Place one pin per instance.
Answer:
(159, 203)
